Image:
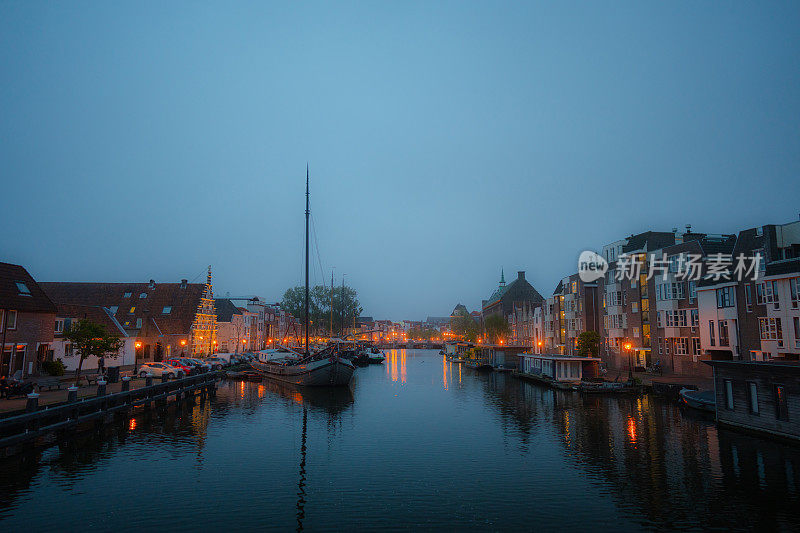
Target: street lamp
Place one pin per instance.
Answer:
(627, 347)
(137, 346)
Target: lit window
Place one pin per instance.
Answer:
(133, 310)
(23, 289)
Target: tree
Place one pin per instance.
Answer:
(496, 328)
(89, 338)
(462, 324)
(588, 344)
(346, 306)
(422, 333)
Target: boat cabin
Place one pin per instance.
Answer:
(450, 348)
(561, 368)
(500, 356)
(759, 396)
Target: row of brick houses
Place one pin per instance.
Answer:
(155, 321)
(666, 316)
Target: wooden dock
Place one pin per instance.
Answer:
(35, 425)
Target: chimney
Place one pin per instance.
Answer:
(183, 283)
(521, 275)
(688, 228)
(152, 284)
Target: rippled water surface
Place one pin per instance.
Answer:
(417, 444)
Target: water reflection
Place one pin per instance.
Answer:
(671, 468)
(451, 449)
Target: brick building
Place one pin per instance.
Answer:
(27, 322)
(164, 319)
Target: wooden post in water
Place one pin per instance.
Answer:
(126, 384)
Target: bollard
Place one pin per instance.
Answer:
(148, 381)
(33, 402)
(72, 394)
(101, 387)
(126, 384)
(164, 377)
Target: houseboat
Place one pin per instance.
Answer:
(559, 371)
(762, 396)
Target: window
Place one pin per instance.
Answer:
(711, 332)
(781, 403)
(771, 330)
(692, 290)
(670, 291)
(133, 310)
(767, 293)
(729, 394)
(681, 346)
(138, 323)
(724, 297)
(748, 297)
(113, 309)
(645, 305)
(794, 291)
(143, 295)
(59, 325)
(10, 321)
(675, 319)
(126, 295)
(634, 307)
(23, 289)
(636, 332)
(696, 350)
(752, 393)
(167, 310)
(695, 317)
(723, 333)
(796, 321)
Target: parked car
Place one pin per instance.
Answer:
(217, 363)
(195, 365)
(200, 363)
(157, 370)
(181, 364)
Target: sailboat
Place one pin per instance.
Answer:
(324, 368)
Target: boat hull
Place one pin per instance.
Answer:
(324, 373)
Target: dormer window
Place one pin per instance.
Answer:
(127, 295)
(133, 310)
(167, 310)
(143, 295)
(23, 289)
(113, 309)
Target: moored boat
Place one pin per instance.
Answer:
(318, 370)
(704, 400)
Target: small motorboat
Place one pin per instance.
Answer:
(704, 400)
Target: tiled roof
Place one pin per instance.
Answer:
(559, 288)
(651, 240)
(96, 314)
(225, 309)
(28, 297)
(786, 266)
(166, 309)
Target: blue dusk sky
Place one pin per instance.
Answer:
(446, 140)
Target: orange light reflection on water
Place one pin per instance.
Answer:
(444, 372)
(632, 430)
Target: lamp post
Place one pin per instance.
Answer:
(627, 347)
(137, 347)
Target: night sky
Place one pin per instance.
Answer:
(446, 140)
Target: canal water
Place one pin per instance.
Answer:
(418, 443)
